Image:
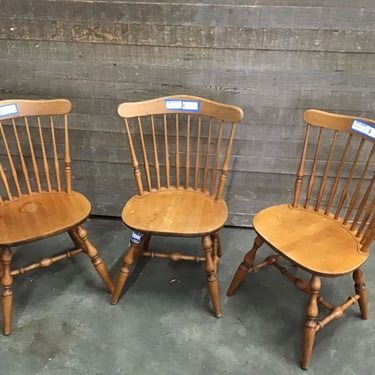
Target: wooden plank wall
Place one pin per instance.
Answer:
(274, 58)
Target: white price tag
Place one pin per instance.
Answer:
(364, 128)
(8, 110)
(182, 105)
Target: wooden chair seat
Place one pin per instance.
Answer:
(40, 215)
(164, 212)
(326, 248)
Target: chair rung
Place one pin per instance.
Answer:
(174, 256)
(45, 262)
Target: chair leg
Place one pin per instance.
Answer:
(79, 237)
(134, 251)
(361, 290)
(244, 267)
(146, 241)
(216, 243)
(211, 265)
(311, 324)
(7, 293)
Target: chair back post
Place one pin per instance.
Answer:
(67, 160)
(301, 169)
(134, 160)
(368, 237)
(224, 169)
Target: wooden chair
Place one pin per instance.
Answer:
(180, 148)
(330, 225)
(36, 196)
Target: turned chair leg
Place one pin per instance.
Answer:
(361, 290)
(79, 237)
(7, 293)
(244, 267)
(146, 241)
(216, 244)
(135, 249)
(211, 266)
(311, 324)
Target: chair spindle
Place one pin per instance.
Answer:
(225, 167)
(323, 183)
(347, 185)
(177, 155)
(55, 155)
(301, 169)
(207, 157)
(32, 154)
(155, 148)
(197, 154)
(44, 154)
(166, 149)
(187, 154)
(144, 153)
(338, 175)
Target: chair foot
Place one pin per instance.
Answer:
(308, 343)
(120, 283)
(7, 293)
(211, 266)
(244, 267)
(361, 290)
(79, 237)
(238, 277)
(311, 325)
(130, 256)
(213, 289)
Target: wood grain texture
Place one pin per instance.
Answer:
(272, 58)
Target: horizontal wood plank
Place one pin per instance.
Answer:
(228, 37)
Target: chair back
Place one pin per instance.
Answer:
(180, 142)
(336, 176)
(34, 147)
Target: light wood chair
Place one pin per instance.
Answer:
(180, 148)
(330, 225)
(36, 196)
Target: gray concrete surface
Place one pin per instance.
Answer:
(63, 322)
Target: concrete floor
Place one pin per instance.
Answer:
(63, 322)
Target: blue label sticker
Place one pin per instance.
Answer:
(8, 110)
(363, 128)
(182, 105)
(136, 237)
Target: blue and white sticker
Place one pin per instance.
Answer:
(182, 105)
(8, 110)
(363, 128)
(136, 237)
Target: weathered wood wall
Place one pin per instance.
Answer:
(274, 58)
